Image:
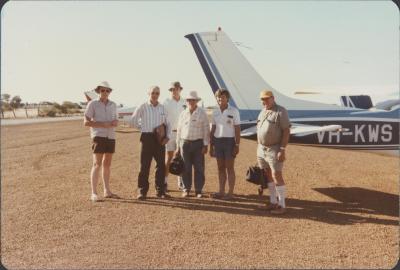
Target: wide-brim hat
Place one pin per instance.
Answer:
(102, 84)
(175, 85)
(192, 95)
(266, 94)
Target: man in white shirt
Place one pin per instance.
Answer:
(151, 115)
(101, 117)
(174, 106)
(192, 139)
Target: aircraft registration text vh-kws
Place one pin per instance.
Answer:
(313, 123)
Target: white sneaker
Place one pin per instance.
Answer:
(94, 198)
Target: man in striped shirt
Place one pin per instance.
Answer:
(192, 138)
(151, 114)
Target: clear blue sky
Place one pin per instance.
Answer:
(54, 50)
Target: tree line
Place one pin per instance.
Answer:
(44, 108)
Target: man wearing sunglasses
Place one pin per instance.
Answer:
(101, 117)
(151, 115)
(273, 131)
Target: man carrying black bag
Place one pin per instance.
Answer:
(273, 131)
(152, 116)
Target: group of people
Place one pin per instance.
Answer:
(188, 134)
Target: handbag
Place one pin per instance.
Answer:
(177, 165)
(255, 175)
(160, 132)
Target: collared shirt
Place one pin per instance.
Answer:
(270, 125)
(99, 112)
(225, 121)
(193, 126)
(174, 109)
(150, 117)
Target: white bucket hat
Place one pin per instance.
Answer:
(102, 84)
(192, 95)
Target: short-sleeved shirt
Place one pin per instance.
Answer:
(270, 125)
(225, 122)
(174, 109)
(99, 112)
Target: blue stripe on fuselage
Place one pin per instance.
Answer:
(394, 114)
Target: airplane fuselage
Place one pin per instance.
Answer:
(374, 131)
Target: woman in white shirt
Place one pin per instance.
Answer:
(225, 139)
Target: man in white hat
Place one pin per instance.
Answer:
(273, 131)
(174, 106)
(101, 117)
(151, 115)
(192, 139)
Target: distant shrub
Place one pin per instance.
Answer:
(51, 113)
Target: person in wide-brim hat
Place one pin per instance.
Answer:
(193, 137)
(103, 85)
(192, 95)
(101, 117)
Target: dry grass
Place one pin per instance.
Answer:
(343, 210)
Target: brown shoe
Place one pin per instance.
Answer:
(279, 210)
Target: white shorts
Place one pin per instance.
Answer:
(171, 144)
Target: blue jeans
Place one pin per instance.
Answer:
(192, 155)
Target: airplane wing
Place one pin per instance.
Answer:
(297, 130)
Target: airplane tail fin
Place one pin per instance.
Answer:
(90, 95)
(226, 67)
(360, 101)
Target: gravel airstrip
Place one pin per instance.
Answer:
(343, 210)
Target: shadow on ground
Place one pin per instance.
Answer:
(354, 206)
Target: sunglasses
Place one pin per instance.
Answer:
(155, 93)
(105, 90)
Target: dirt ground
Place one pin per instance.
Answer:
(343, 210)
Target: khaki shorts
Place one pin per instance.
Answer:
(267, 157)
(171, 144)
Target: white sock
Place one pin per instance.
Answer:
(281, 190)
(166, 180)
(272, 192)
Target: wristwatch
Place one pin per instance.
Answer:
(282, 148)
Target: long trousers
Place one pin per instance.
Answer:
(151, 149)
(193, 157)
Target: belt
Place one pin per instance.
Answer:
(174, 130)
(192, 141)
(269, 146)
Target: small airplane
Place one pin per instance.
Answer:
(123, 113)
(313, 123)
